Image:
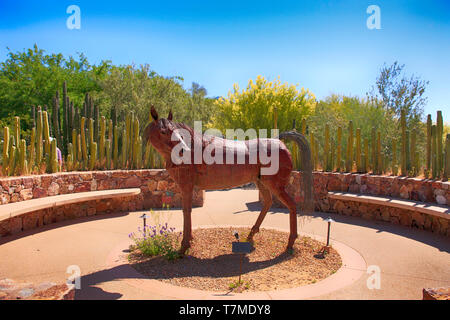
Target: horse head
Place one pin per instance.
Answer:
(162, 134)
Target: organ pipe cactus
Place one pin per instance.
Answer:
(404, 150)
(379, 166)
(311, 142)
(447, 158)
(46, 132)
(414, 160)
(101, 148)
(108, 154)
(433, 152)
(93, 155)
(358, 150)
(116, 148)
(70, 157)
(408, 154)
(326, 149)
(23, 163)
(83, 142)
(124, 148)
(6, 147)
(39, 129)
(349, 160)
(428, 148)
(17, 129)
(135, 142)
(366, 155)
(12, 158)
(394, 157)
(32, 150)
(74, 147)
(339, 149)
(439, 149)
(53, 157)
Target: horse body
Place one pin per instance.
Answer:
(234, 163)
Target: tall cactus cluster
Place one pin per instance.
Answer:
(349, 151)
(86, 140)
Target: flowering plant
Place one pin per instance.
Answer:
(157, 240)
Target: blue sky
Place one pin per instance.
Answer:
(324, 46)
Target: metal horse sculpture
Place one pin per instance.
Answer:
(160, 133)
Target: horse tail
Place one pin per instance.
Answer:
(305, 153)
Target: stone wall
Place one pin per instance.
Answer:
(397, 187)
(155, 184)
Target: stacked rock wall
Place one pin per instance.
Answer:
(424, 190)
(155, 184)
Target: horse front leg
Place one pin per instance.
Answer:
(187, 222)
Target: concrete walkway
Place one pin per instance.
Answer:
(408, 259)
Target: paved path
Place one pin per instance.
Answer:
(409, 259)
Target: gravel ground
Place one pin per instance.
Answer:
(210, 265)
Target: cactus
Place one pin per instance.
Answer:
(428, 148)
(23, 165)
(39, 129)
(349, 160)
(97, 121)
(124, 148)
(303, 129)
(433, 152)
(93, 155)
(439, 149)
(311, 142)
(316, 153)
(79, 151)
(414, 160)
(17, 129)
(394, 158)
(70, 157)
(366, 155)
(404, 150)
(116, 148)
(101, 147)
(135, 142)
(326, 149)
(358, 151)
(6, 147)
(108, 154)
(55, 119)
(65, 127)
(46, 132)
(53, 157)
(339, 149)
(32, 150)
(408, 154)
(446, 158)
(379, 166)
(83, 142)
(12, 157)
(74, 149)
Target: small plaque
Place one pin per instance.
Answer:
(241, 247)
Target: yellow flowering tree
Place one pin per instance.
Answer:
(255, 106)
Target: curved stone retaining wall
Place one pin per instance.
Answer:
(429, 191)
(155, 184)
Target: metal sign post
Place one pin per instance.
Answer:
(241, 248)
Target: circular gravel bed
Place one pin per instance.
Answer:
(210, 265)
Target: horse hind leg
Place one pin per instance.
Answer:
(267, 203)
(286, 199)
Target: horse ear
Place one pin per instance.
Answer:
(154, 113)
(169, 117)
